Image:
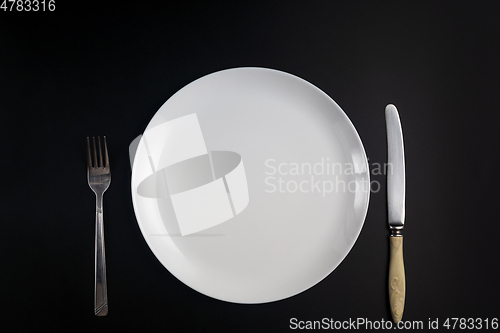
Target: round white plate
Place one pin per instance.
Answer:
(250, 185)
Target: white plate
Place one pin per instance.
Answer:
(250, 185)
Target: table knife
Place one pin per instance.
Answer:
(396, 210)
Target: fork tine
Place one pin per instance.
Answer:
(106, 159)
(89, 157)
(100, 152)
(95, 155)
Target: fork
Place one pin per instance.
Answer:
(99, 178)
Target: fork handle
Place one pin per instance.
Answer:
(100, 287)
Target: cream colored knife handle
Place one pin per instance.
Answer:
(397, 283)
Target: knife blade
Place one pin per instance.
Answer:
(396, 211)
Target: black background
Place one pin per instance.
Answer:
(86, 70)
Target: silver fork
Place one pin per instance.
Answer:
(99, 178)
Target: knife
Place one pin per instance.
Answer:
(396, 210)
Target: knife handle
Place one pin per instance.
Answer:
(397, 281)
